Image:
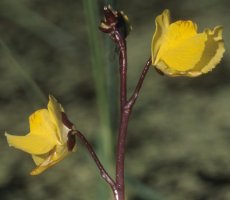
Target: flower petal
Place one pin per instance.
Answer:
(184, 56)
(55, 110)
(38, 159)
(162, 24)
(32, 144)
(213, 51)
(41, 124)
(55, 156)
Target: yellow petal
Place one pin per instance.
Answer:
(55, 156)
(162, 24)
(181, 51)
(38, 159)
(32, 144)
(213, 51)
(186, 55)
(41, 124)
(177, 39)
(55, 110)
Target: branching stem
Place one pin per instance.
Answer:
(125, 108)
(145, 70)
(116, 24)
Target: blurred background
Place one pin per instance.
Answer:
(179, 133)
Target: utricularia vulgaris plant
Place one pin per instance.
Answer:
(177, 49)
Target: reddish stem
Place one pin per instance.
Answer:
(124, 115)
(123, 67)
(118, 187)
(115, 23)
(120, 161)
(126, 108)
(145, 70)
(102, 170)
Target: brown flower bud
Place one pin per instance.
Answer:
(115, 20)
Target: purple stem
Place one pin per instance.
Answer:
(102, 170)
(145, 70)
(123, 67)
(126, 108)
(124, 115)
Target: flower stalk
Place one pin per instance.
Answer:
(126, 110)
(117, 26)
(104, 174)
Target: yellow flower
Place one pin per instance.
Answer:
(178, 50)
(50, 138)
